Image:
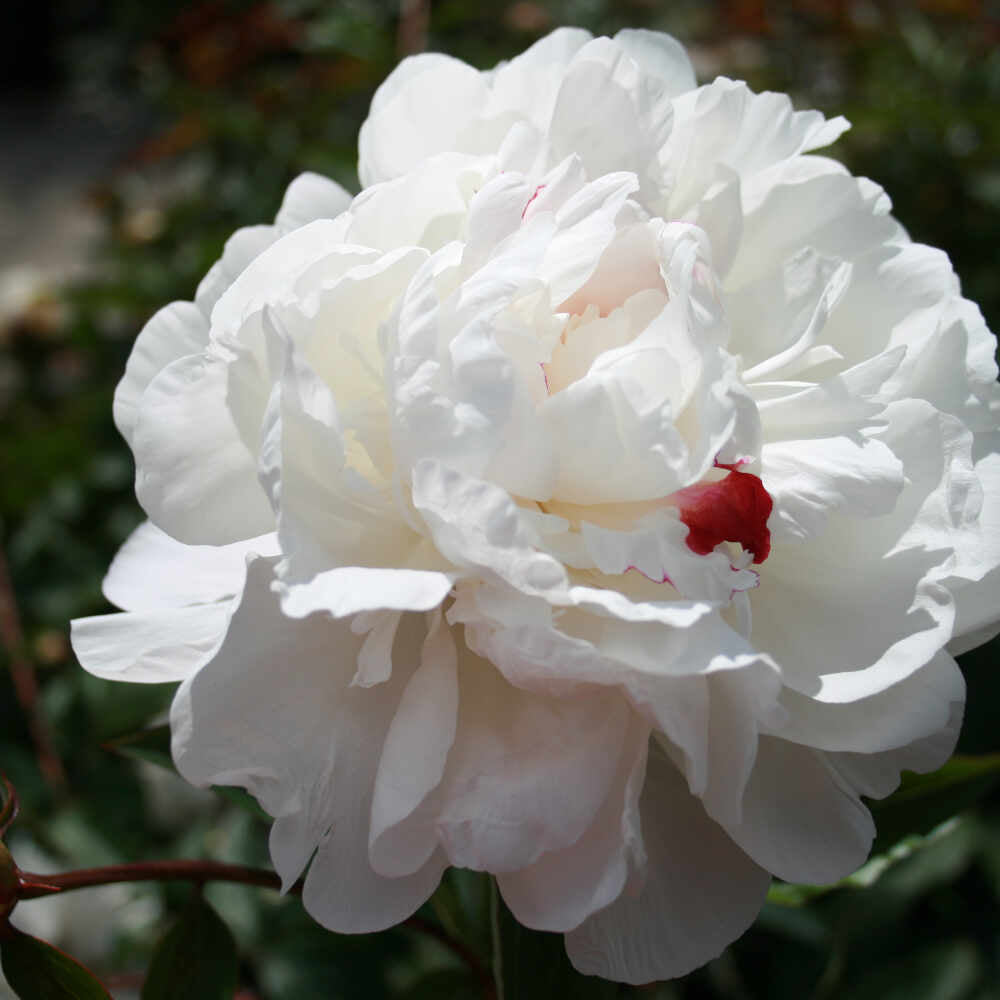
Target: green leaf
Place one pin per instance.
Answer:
(457, 983)
(922, 810)
(924, 801)
(242, 800)
(196, 960)
(795, 894)
(153, 747)
(37, 971)
(150, 745)
(533, 964)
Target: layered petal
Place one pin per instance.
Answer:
(315, 750)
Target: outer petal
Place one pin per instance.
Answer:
(726, 123)
(148, 647)
(977, 603)
(913, 708)
(195, 477)
(312, 758)
(519, 780)
(399, 132)
(801, 820)
(611, 114)
(562, 888)
(414, 758)
(308, 198)
(176, 331)
(807, 201)
(700, 893)
(661, 56)
(240, 250)
(901, 557)
(152, 571)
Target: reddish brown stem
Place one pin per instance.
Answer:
(414, 20)
(33, 886)
(22, 673)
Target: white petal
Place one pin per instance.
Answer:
(725, 122)
(801, 821)
(900, 556)
(414, 757)
(976, 602)
(375, 658)
(244, 246)
(176, 331)
(426, 207)
(807, 201)
(195, 477)
(701, 892)
(152, 571)
(610, 114)
(519, 780)
(909, 710)
(274, 711)
(877, 775)
(347, 590)
(660, 55)
(476, 524)
(400, 132)
(273, 273)
(152, 646)
(308, 198)
(527, 85)
(334, 508)
(811, 479)
(562, 888)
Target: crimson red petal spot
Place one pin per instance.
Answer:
(735, 509)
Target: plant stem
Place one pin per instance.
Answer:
(22, 674)
(147, 871)
(34, 886)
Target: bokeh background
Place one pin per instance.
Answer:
(135, 136)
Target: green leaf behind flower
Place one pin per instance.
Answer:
(196, 960)
(37, 971)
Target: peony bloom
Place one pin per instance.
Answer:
(595, 500)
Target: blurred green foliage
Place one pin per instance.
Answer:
(239, 97)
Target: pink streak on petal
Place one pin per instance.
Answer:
(538, 190)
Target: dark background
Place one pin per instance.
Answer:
(134, 138)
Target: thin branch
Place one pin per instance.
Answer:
(414, 20)
(11, 804)
(22, 673)
(34, 886)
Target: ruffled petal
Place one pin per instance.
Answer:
(801, 820)
(314, 750)
(562, 888)
(244, 246)
(400, 130)
(913, 708)
(176, 331)
(195, 476)
(726, 123)
(700, 892)
(308, 198)
(150, 646)
(153, 571)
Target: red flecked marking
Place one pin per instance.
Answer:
(732, 466)
(735, 509)
(538, 191)
(652, 579)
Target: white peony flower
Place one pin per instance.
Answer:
(592, 501)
